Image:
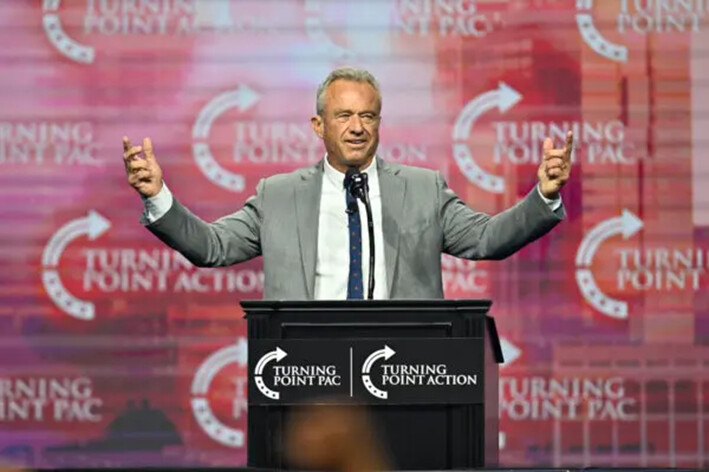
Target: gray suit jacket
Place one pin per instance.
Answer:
(421, 218)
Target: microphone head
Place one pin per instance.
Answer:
(356, 183)
(350, 175)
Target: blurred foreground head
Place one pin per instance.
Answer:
(334, 437)
(10, 468)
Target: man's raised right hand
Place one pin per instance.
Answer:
(143, 172)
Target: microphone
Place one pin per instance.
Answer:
(354, 189)
(356, 184)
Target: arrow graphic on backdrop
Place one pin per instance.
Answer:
(627, 224)
(503, 98)
(316, 31)
(52, 25)
(241, 99)
(385, 354)
(213, 15)
(278, 354)
(592, 37)
(510, 352)
(93, 225)
(203, 413)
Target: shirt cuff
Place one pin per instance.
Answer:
(155, 207)
(552, 203)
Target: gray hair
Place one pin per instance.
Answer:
(345, 73)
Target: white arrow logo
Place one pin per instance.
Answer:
(93, 225)
(278, 354)
(208, 421)
(627, 224)
(317, 32)
(503, 98)
(510, 352)
(242, 99)
(592, 37)
(385, 354)
(55, 33)
(213, 15)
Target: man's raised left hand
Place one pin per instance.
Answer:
(555, 167)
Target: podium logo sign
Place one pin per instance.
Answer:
(424, 370)
(409, 374)
(385, 353)
(276, 355)
(293, 376)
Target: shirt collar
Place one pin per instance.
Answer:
(338, 178)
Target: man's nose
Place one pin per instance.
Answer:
(356, 125)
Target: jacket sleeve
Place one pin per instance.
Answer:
(470, 234)
(229, 240)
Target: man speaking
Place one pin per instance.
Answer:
(312, 229)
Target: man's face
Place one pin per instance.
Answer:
(349, 125)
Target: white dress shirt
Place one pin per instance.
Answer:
(333, 256)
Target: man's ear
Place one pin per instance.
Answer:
(317, 124)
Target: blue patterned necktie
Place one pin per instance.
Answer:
(354, 282)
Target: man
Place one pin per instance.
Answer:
(313, 247)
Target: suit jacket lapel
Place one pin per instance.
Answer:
(393, 191)
(307, 207)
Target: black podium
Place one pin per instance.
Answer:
(427, 370)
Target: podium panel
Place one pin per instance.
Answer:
(426, 369)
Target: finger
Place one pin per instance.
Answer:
(561, 171)
(554, 153)
(569, 147)
(148, 147)
(548, 145)
(132, 152)
(554, 173)
(136, 165)
(555, 163)
(126, 144)
(140, 177)
(569, 141)
(143, 175)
